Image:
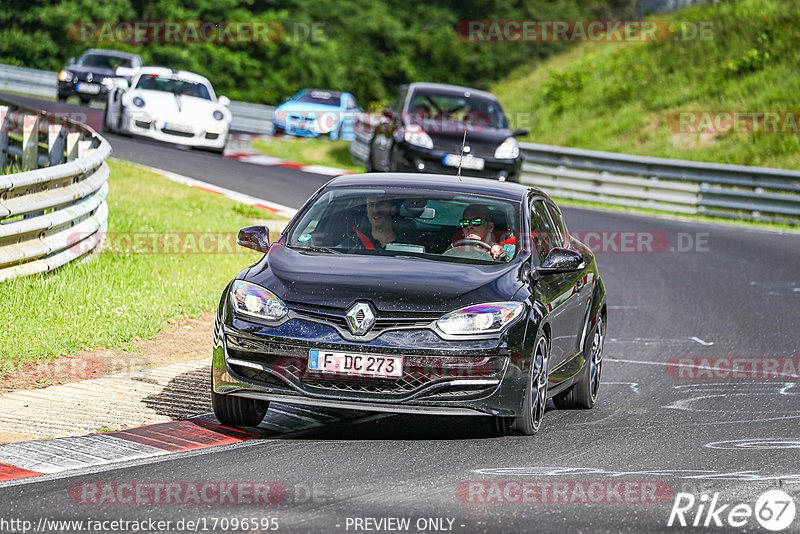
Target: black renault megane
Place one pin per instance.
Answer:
(413, 293)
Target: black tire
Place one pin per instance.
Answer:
(530, 420)
(583, 393)
(62, 98)
(238, 411)
(277, 130)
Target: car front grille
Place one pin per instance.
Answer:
(430, 377)
(177, 133)
(383, 322)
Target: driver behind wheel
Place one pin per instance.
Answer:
(477, 225)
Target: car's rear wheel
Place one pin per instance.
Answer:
(583, 394)
(238, 411)
(530, 420)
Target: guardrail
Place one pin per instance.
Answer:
(247, 117)
(55, 210)
(671, 185)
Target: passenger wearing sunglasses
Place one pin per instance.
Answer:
(477, 227)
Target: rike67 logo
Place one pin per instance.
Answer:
(774, 510)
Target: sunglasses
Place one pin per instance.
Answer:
(474, 222)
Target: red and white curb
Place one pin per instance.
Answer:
(271, 161)
(278, 209)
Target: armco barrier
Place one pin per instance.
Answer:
(250, 118)
(672, 185)
(55, 210)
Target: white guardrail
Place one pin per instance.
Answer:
(671, 185)
(55, 211)
(247, 117)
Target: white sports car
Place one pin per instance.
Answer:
(170, 105)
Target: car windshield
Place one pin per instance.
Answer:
(427, 224)
(473, 110)
(103, 61)
(320, 97)
(172, 84)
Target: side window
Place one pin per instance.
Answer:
(555, 215)
(351, 103)
(544, 234)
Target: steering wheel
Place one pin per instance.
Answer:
(472, 242)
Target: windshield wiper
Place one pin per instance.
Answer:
(316, 249)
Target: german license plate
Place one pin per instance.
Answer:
(369, 365)
(89, 88)
(467, 162)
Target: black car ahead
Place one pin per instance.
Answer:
(94, 74)
(413, 293)
(424, 131)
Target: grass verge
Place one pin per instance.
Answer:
(627, 96)
(310, 151)
(115, 297)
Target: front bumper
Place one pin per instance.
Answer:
(211, 136)
(411, 158)
(67, 89)
(470, 377)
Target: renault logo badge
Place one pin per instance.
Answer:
(360, 318)
(89, 77)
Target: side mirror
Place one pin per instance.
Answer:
(225, 101)
(562, 260)
(520, 132)
(254, 237)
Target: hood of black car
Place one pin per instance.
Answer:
(98, 73)
(391, 284)
(482, 141)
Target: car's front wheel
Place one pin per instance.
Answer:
(529, 421)
(238, 411)
(583, 394)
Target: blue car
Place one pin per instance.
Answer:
(315, 112)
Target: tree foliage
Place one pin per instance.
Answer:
(367, 47)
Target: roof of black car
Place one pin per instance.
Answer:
(116, 53)
(447, 88)
(447, 182)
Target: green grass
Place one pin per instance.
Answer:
(620, 96)
(112, 299)
(310, 151)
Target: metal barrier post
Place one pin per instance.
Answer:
(30, 142)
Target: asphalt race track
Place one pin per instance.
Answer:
(704, 294)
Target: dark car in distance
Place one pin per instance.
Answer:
(424, 130)
(94, 74)
(413, 293)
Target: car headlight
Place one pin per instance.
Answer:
(138, 101)
(280, 115)
(508, 149)
(415, 135)
(255, 301)
(218, 114)
(65, 76)
(480, 318)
